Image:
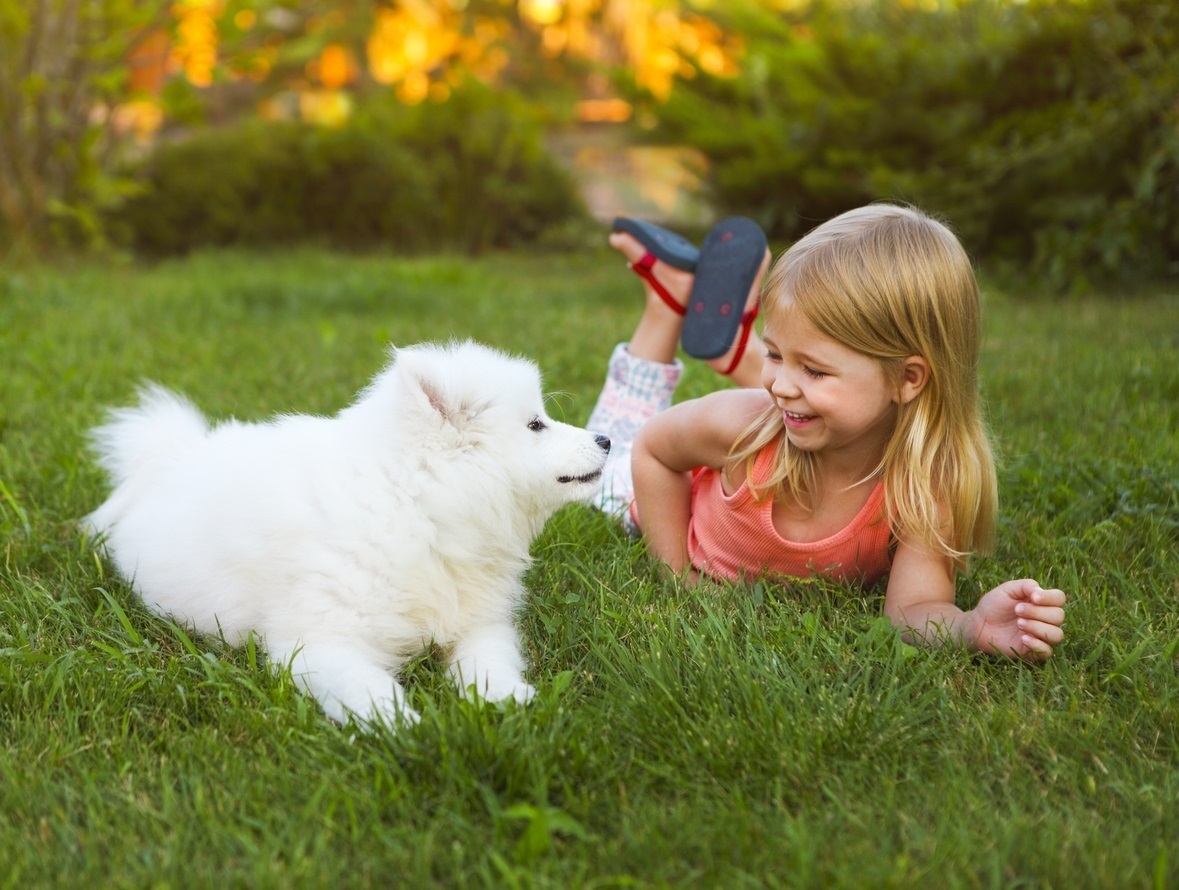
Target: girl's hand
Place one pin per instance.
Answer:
(1019, 619)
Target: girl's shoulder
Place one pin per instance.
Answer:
(725, 409)
(739, 403)
(727, 418)
(701, 432)
(729, 413)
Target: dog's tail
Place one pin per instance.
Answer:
(138, 439)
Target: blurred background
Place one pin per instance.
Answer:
(1045, 132)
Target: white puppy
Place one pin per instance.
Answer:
(349, 543)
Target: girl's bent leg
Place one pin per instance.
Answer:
(636, 389)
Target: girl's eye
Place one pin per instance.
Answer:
(773, 356)
(811, 372)
(536, 425)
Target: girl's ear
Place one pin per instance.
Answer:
(913, 377)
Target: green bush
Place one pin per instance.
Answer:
(495, 184)
(1047, 132)
(468, 174)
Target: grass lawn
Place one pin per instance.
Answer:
(774, 735)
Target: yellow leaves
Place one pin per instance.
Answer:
(669, 44)
(415, 47)
(409, 42)
(542, 12)
(329, 108)
(334, 68)
(423, 48)
(603, 110)
(195, 48)
(140, 117)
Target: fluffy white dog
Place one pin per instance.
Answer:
(349, 543)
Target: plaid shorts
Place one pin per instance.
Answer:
(635, 391)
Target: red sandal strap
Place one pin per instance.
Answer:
(742, 338)
(642, 268)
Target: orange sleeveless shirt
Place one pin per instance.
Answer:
(733, 536)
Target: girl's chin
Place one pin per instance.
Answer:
(800, 440)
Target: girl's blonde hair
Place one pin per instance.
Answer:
(891, 282)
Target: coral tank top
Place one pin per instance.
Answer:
(733, 536)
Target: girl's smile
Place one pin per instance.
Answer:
(832, 398)
(796, 420)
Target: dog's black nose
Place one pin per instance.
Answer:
(603, 442)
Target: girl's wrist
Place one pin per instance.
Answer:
(970, 630)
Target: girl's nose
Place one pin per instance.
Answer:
(785, 385)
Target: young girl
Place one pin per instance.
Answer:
(863, 453)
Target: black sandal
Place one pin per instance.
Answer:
(665, 246)
(730, 257)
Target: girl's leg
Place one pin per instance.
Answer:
(658, 332)
(643, 373)
(640, 379)
(636, 389)
(657, 335)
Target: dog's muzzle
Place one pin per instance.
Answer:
(603, 442)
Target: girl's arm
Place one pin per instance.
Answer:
(1019, 619)
(696, 433)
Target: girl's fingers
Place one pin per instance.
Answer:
(1035, 649)
(1046, 614)
(1049, 633)
(1051, 597)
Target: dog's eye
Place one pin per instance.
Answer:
(536, 425)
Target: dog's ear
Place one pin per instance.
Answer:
(426, 379)
(452, 414)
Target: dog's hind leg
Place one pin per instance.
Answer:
(345, 682)
(487, 662)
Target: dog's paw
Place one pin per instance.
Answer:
(385, 710)
(390, 714)
(501, 691)
(523, 692)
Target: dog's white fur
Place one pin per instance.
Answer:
(349, 543)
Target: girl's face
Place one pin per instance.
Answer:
(833, 399)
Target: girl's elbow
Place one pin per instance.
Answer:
(895, 614)
(644, 439)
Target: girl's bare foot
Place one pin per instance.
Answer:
(677, 282)
(657, 334)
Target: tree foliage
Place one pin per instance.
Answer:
(65, 78)
(62, 69)
(468, 174)
(1047, 133)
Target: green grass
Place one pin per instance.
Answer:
(774, 735)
